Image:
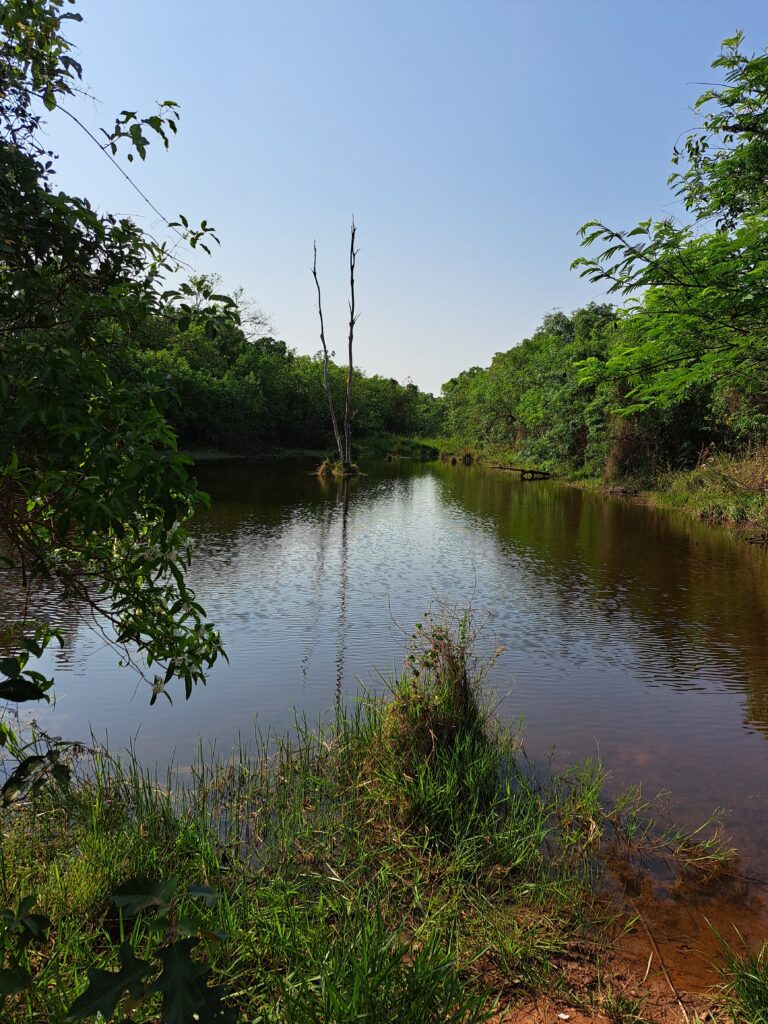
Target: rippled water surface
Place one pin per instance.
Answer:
(629, 633)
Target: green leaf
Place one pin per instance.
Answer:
(10, 667)
(140, 893)
(182, 983)
(214, 1009)
(32, 646)
(25, 906)
(13, 980)
(204, 892)
(25, 925)
(106, 988)
(20, 690)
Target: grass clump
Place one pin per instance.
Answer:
(330, 468)
(376, 974)
(724, 490)
(621, 1008)
(746, 982)
(435, 758)
(403, 863)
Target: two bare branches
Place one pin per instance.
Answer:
(343, 436)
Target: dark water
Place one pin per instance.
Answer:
(629, 633)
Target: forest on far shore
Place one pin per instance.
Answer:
(670, 365)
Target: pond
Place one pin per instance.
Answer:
(629, 633)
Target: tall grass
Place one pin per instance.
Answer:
(402, 863)
(724, 489)
(746, 982)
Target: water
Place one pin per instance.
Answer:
(630, 633)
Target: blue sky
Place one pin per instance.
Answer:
(469, 139)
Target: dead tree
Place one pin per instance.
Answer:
(343, 437)
(326, 378)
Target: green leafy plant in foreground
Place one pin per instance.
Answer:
(168, 969)
(19, 928)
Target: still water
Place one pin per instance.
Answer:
(629, 634)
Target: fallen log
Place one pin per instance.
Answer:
(526, 473)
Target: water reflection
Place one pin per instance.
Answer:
(690, 603)
(628, 632)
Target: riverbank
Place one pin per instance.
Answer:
(405, 864)
(725, 490)
(728, 492)
(266, 454)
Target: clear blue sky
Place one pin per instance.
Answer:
(470, 139)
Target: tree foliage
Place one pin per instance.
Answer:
(698, 291)
(93, 492)
(684, 363)
(530, 396)
(249, 393)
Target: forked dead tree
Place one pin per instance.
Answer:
(342, 436)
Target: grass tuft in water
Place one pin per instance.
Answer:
(403, 863)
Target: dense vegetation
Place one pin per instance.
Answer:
(93, 492)
(657, 385)
(243, 392)
(682, 367)
(400, 864)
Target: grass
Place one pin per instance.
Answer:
(745, 988)
(395, 446)
(485, 454)
(724, 490)
(404, 863)
(621, 1008)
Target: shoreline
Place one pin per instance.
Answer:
(727, 492)
(410, 837)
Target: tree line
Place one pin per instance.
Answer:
(636, 388)
(245, 391)
(682, 365)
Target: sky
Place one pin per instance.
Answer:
(469, 139)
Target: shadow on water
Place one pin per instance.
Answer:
(697, 594)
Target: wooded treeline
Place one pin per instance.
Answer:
(243, 392)
(682, 366)
(537, 398)
(677, 369)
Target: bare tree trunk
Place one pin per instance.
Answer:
(350, 368)
(343, 441)
(326, 379)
